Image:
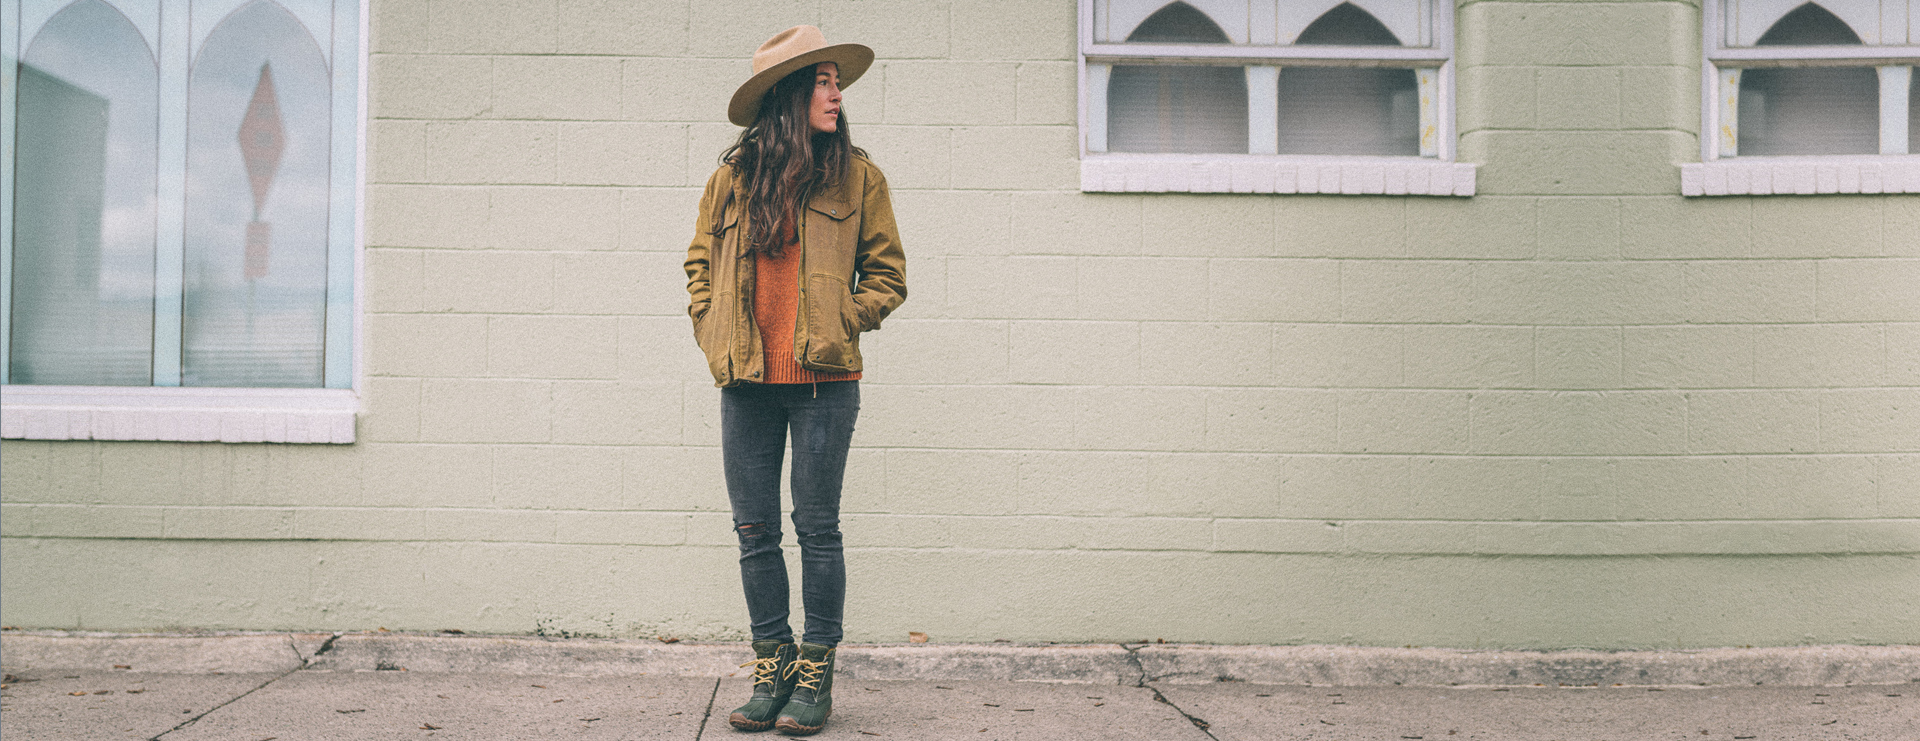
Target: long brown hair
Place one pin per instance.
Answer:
(784, 162)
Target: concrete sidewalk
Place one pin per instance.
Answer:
(253, 687)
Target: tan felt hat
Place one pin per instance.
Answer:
(787, 51)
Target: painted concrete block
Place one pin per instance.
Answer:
(1138, 418)
(1406, 291)
(956, 482)
(620, 528)
(620, 283)
(1869, 290)
(1496, 98)
(1576, 163)
(356, 523)
(1581, 98)
(1277, 536)
(1272, 421)
(673, 479)
(393, 410)
(486, 411)
(1482, 227)
(1083, 224)
(948, 222)
(653, 348)
(701, 424)
(1579, 229)
(398, 27)
(913, 158)
(1095, 353)
(1341, 226)
(556, 88)
(620, 28)
(622, 154)
(1753, 421)
(446, 345)
(1177, 225)
(657, 89)
(1577, 357)
(617, 413)
(1443, 356)
(1682, 487)
(477, 152)
(1660, 97)
(1472, 487)
(1340, 487)
(950, 93)
(1577, 293)
(895, 531)
(436, 476)
(1012, 287)
(1712, 356)
(895, 30)
(1016, 157)
(1903, 354)
(1902, 230)
(1870, 420)
(558, 477)
(431, 86)
(1578, 423)
(1046, 93)
(1841, 226)
(487, 282)
(1576, 34)
(1192, 354)
(998, 417)
(142, 473)
(214, 523)
(1899, 479)
(1750, 291)
(1337, 355)
(395, 279)
(1216, 484)
(1147, 288)
(396, 151)
(1665, 227)
(433, 216)
(1793, 487)
(732, 29)
(1273, 290)
(493, 26)
(658, 219)
(1009, 29)
(925, 351)
(309, 475)
(1401, 421)
(1105, 483)
(553, 219)
(1817, 355)
(552, 346)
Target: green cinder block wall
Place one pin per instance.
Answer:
(1573, 410)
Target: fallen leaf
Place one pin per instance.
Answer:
(103, 692)
(938, 687)
(384, 630)
(1328, 722)
(1098, 704)
(123, 666)
(443, 697)
(77, 694)
(455, 631)
(914, 636)
(869, 689)
(541, 686)
(991, 705)
(667, 639)
(561, 700)
(135, 692)
(425, 726)
(673, 714)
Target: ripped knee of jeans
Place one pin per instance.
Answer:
(754, 531)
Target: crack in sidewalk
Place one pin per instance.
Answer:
(1141, 680)
(305, 661)
(702, 733)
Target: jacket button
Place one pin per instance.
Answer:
(833, 211)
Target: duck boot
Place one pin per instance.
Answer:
(806, 712)
(772, 685)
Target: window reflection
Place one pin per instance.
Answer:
(1177, 108)
(1333, 110)
(257, 187)
(83, 261)
(1809, 110)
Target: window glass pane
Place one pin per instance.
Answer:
(84, 202)
(1332, 110)
(257, 185)
(1809, 110)
(1177, 108)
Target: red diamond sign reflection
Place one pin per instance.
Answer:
(262, 138)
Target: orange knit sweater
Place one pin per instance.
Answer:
(776, 304)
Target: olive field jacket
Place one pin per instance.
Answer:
(852, 275)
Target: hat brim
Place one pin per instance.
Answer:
(853, 60)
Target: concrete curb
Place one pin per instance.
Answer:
(1093, 664)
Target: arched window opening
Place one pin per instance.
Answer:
(1809, 110)
(83, 257)
(1177, 108)
(1335, 110)
(258, 150)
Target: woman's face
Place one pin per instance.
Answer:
(823, 115)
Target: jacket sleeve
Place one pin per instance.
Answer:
(879, 261)
(699, 282)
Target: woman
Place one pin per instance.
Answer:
(793, 257)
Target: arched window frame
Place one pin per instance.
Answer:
(166, 410)
(1889, 32)
(1256, 29)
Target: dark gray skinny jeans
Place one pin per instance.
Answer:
(754, 420)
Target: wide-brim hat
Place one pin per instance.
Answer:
(789, 50)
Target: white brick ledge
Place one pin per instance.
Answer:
(177, 414)
(1216, 173)
(1766, 176)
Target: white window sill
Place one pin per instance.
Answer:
(227, 415)
(1249, 173)
(1807, 175)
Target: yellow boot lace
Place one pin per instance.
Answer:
(764, 669)
(809, 671)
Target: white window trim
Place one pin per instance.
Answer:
(1113, 172)
(187, 414)
(1892, 171)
